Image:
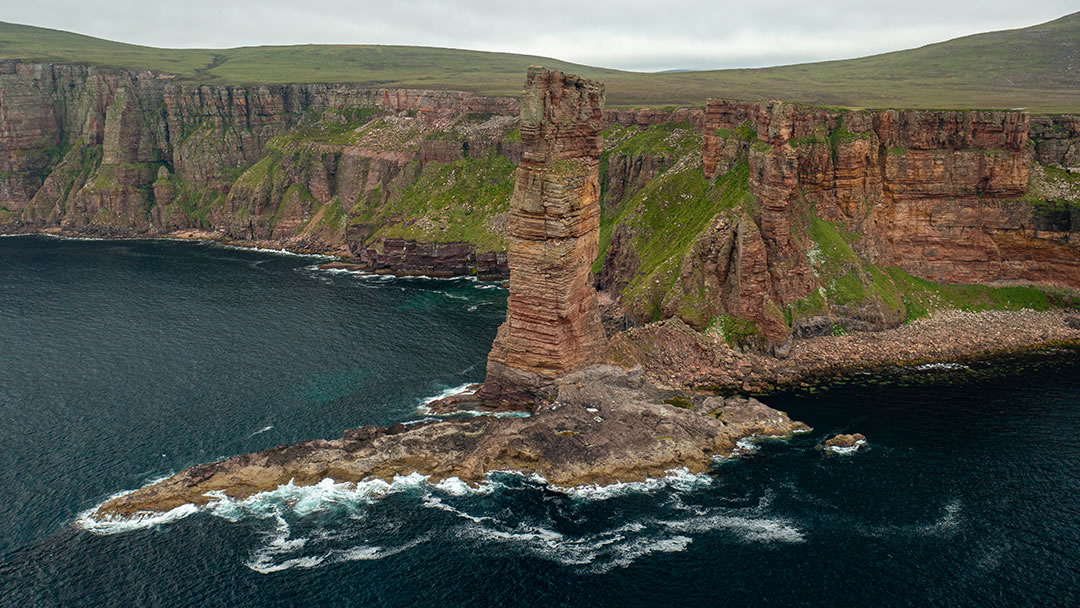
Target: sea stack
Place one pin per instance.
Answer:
(552, 322)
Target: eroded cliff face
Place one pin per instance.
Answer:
(840, 195)
(552, 320)
(761, 221)
(304, 166)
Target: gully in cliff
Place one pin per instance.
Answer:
(588, 423)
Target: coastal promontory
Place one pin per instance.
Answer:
(579, 420)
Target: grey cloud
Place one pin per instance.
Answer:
(629, 34)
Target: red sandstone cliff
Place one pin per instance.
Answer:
(83, 150)
(933, 192)
(951, 196)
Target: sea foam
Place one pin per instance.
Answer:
(941, 366)
(313, 526)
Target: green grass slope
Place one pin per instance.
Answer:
(1036, 67)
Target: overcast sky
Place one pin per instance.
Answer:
(654, 35)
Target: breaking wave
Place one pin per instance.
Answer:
(282, 251)
(839, 450)
(304, 527)
(462, 389)
(941, 366)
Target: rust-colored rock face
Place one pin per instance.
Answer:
(71, 135)
(934, 192)
(552, 321)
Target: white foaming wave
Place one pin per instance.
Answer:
(434, 502)
(335, 270)
(347, 496)
(452, 296)
(476, 413)
(541, 542)
(359, 274)
(946, 525)
(845, 450)
(301, 500)
(66, 238)
(261, 431)
(679, 479)
(139, 521)
(944, 366)
(751, 529)
(601, 551)
(282, 251)
(305, 500)
(744, 446)
(456, 487)
(948, 522)
(268, 558)
(263, 564)
(364, 552)
(424, 277)
(278, 543)
(462, 389)
(619, 547)
(626, 554)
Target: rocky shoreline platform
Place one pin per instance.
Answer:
(606, 425)
(676, 357)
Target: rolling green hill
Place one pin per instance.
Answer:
(1036, 67)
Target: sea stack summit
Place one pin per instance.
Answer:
(552, 320)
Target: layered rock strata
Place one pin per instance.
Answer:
(944, 195)
(128, 153)
(642, 117)
(952, 196)
(552, 321)
(407, 257)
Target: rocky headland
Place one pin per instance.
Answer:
(605, 425)
(736, 247)
(586, 422)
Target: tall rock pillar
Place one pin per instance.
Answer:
(552, 320)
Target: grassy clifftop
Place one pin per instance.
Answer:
(1036, 67)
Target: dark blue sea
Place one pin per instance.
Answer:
(125, 361)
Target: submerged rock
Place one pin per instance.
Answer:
(843, 444)
(845, 441)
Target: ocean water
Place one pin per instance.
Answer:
(121, 362)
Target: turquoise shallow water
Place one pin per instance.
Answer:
(124, 361)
